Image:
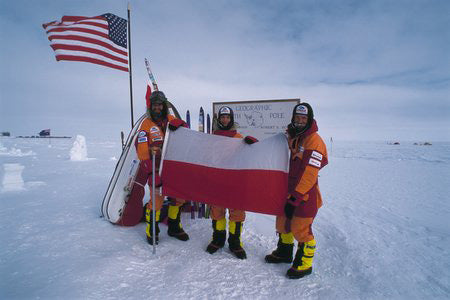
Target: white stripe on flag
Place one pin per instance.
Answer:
(89, 45)
(90, 55)
(189, 146)
(85, 26)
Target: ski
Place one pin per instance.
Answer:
(191, 203)
(201, 128)
(150, 75)
(188, 119)
(208, 131)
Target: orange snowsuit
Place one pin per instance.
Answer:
(217, 212)
(308, 156)
(151, 134)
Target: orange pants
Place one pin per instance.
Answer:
(159, 199)
(300, 227)
(218, 213)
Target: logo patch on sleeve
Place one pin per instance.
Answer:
(142, 139)
(142, 133)
(156, 139)
(315, 162)
(154, 129)
(316, 155)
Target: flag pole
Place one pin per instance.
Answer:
(129, 65)
(153, 203)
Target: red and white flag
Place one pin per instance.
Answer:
(148, 93)
(100, 40)
(226, 171)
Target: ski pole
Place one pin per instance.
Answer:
(153, 203)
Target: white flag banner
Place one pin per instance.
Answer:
(226, 171)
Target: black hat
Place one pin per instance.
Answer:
(157, 97)
(160, 98)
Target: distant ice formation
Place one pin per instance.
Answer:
(14, 152)
(79, 149)
(12, 180)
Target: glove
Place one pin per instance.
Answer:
(174, 124)
(250, 140)
(289, 210)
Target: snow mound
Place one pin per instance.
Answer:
(33, 184)
(79, 149)
(14, 152)
(12, 180)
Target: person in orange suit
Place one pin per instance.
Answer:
(225, 126)
(150, 141)
(308, 156)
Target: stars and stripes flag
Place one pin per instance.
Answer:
(99, 40)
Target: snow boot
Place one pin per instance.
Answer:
(302, 265)
(144, 213)
(149, 229)
(219, 236)
(234, 240)
(284, 251)
(175, 229)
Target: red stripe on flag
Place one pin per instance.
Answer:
(85, 30)
(262, 191)
(90, 50)
(90, 60)
(50, 23)
(104, 26)
(87, 40)
(56, 23)
(78, 18)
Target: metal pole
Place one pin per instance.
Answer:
(129, 65)
(331, 143)
(153, 204)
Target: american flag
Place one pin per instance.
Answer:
(99, 40)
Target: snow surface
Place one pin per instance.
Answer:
(383, 232)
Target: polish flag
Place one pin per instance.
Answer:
(226, 171)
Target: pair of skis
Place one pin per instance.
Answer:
(202, 209)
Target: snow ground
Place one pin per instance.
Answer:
(383, 232)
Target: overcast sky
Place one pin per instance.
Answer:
(372, 70)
